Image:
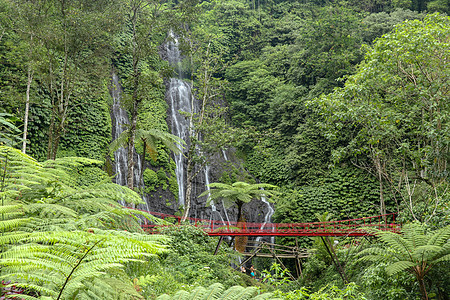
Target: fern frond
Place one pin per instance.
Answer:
(232, 292)
(5, 209)
(425, 252)
(443, 259)
(414, 233)
(440, 237)
(180, 295)
(214, 291)
(266, 296)
(399, 266)
(7, 225)
(198, 293)
(12, 238)
(56, 234)
(396, 242)
(120, 142)
(53, 210)
(247, 293)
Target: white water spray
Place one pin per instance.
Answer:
(120, 120)
(179, 94)
(267, 218)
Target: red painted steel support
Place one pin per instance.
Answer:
(352, 227)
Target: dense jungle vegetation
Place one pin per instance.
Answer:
(340, 109)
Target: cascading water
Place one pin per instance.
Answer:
(119, 122)
(267, 218)
(213, 206)
(120, 118)
(179, 94)
(224, 155)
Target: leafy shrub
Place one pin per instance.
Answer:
(351, 291)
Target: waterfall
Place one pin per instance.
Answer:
(119, 122)
(179, 94)
(267, 218)
(213, 206)
(120, 118)
(224, 155)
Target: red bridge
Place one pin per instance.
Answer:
(352, 227)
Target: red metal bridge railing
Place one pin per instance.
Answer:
(350, 227)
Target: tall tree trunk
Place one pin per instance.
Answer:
(50, 135)
(135, 100)
(330, 249)
(27, 108)
(379, 169)
(131, 140)
(189, 182)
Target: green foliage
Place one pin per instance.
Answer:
(417, 251)
(217, 291)
(395, 104)
(351, 291)
(62, 240)
(276, 275)
(150, 180)
(346, 192)
(378, 285)
(162, 178)
(153, 180)
(91, 130)
(8, 131)
(189, 263)
(173, 184)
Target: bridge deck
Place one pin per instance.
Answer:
(351, 227)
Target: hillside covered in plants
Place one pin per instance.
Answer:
(233, 110)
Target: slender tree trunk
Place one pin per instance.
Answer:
(135, 100)
(50, 135)
(191, 152)
(131, 143)
(27, 108)
(144, 141)
(379, 168)
(334, 258)
(422, 287)
(189, 182)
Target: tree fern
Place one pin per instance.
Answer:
(238, 193)
(9, 133)
(61, 241)
(416, 250)
(216, 291)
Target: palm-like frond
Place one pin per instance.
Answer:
(415, 250)
(151, 138)
(55, 259)
(57, 238)
(8, 131)
(216, 291)
(238, 191)
(120, 141)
